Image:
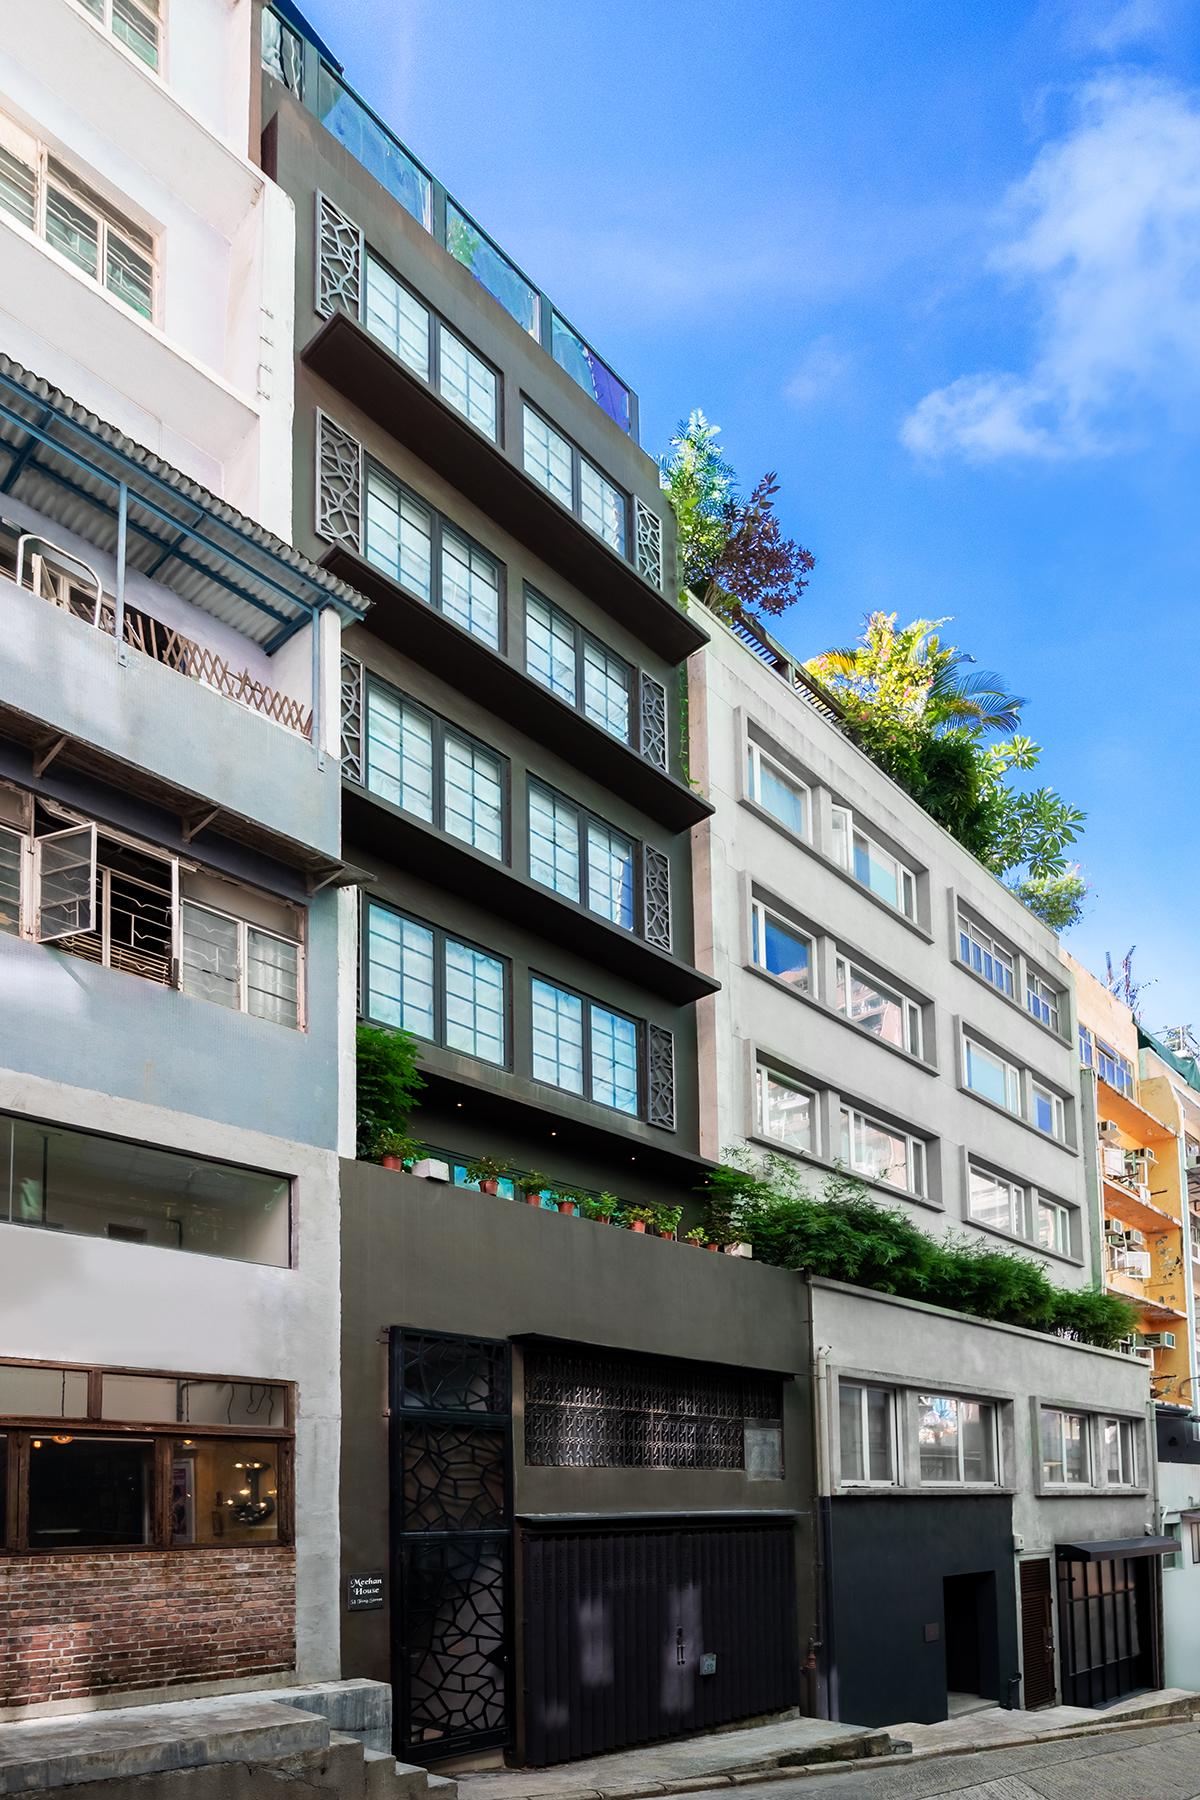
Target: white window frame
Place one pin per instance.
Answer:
(244, 928)
(1127, 1451)
(962, 1479)
(1021, 1202)
(1042, 1000)
(866, 1479)
(852, 1118)
(846, 829)
(987, 949)
(764, 1073)
(1013, 1084)
(1058, 1110)
(756, 757)
(1089, 1477)
(914, 1038)
(760, 912)
(102, 15)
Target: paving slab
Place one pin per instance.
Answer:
(685, 1765)
(994, 1726)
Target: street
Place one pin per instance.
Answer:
(1161, 1762)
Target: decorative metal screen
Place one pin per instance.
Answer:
(452, 1512)
(339, 261)
(653, 724)
(660, 1077)
(352, 718)
(648, 542)
(656, 896)
(595, 1409)
(339, 484)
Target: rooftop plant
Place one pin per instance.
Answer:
(845, 1235)
(387, 1084)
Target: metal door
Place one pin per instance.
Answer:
(1108, 1625)
(451, 1487)
(1037, 1633)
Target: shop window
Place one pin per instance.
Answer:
(224, 1491)
(89, 1492)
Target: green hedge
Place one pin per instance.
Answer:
(845, 1235)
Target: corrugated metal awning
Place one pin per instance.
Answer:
(72, 467)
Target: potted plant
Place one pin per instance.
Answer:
(603, 1208)
(387, 1083)
(570, 1200)
(697, 1235)
(533, 1186)
(638, 1217)
(395, 1149)
(488, 1172)
(668, 1220)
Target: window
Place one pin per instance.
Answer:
(886, 1014)
(778, 793)
(1114, 1068)
(450, 993)
(1087, 1047)
(1004, 1205)
(235, 964)
(48, 199)
(144, 1483)
(867, 1432)
(1049, 1112)
(440, 565)
(1118, 1452)
(585, 1048)
(1042, 1000)
(135, 23)
(781, 949)
(786, 1111)
(576, 667)
(991, 1076)
(983, 954)
(881, 1153)
(1193, 1525)
(57, 1179)
(957, 1439)
(580, 857)
(1174, 1558)
(426, 345)
(884, 874)
(555, 464)
(1066, 1452)
(1054, 1227)
(432, 770)
(282, 52)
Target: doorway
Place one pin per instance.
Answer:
(1037, 1634)
(969, 1639)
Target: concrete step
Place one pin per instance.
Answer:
(441, 1787)
(387, 1779)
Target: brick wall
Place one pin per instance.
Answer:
(110, 1621)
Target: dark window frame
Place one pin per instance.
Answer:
(441, 936)
(581, 636)
(578, 457)
(584, 816)
(434, 346)
(587, 1001)
(20, 1430)
(439, 524)
(440, 727)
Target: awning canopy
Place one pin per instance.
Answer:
(1105, 1549)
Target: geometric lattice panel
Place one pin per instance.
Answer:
(454, 1599)
(339, 484)
(339, 261)
(352, 718)
(653, 722)
(660, 1076)
(648, 542)
(456, 1375)
(453, 1477)
(656, 897)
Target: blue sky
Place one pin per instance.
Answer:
(938, 264)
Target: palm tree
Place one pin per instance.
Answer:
(912, 671)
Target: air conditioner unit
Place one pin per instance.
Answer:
(1193, 1156)
(1144, 1192)
(1135, 1238)
(1156, 1340)
(1108, 1128)
(1149, 1156)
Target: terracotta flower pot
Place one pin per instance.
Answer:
(713, 1247)
(567, 1207)
(637, 1225)
(489, 1187)
(533, 1199)
(393, 1162)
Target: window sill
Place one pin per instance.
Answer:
(1011, 1237)
(827, 862)
(1010, 1000)
(828, 1012)
(1090, 1492)
(948, 1490)
(1025, 1124)
(836, 1168)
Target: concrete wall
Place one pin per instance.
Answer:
(1178, 1493)
(743, 854)
(207, 385)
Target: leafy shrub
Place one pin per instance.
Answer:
(388, 1083)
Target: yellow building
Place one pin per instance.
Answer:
(1162, 1069)
(1134, 1140)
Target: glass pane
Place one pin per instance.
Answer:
(89, 1491)
(937, 1434)
(400, 972)
(876, 870)
(987, 1075)
(978, 1423)
(762, 1449)
(467, 244)
(281, 52)
(399, 752)
(272, 978)
(398, 534)
(396, 317)
(18, 188)
(850, 1431)
(27, 1392)
(548, 457)
(468, 383)
(1111, 1451)
(134, 1194)
(176, 1400)
(1052, 1455)
(782, 798)
(1045, 1112)
(4, 1491)
(878, 1153)
(840, 846)
(601, 506)
(614, 1060)
(606, 690)
(137, 29)
(610, 874)
(553, 841)
(130, 276)
(998, 1203)
(875, 1008)
(550, 647)
(474, 795)
(371, 145)
(470, 587)
(11, 846)
(1054, 1227)
(72, 230)
(781, 952)
(585, 367)
(879, 1434)
(224, 1491)
(66, 882)
(209, 946)
(474, 1002)
(557, 1036)
(1075, 1447)
(785, 1111)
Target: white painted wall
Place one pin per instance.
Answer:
(1179, 1492)
(208, 386)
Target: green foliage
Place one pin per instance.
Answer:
(845, 1235)
(697, 1235)
(486, 1168)
(641, 1215)
(530, 1185)
(387, 1083)
(699, 482)
(390, 1142)
(601, 1207)
(669, 1219)
(914, 705)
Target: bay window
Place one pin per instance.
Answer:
(957, 1440)
(867, 1433)
(871, 864)
(881, 1153)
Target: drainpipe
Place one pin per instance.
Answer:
(119, 597)
(820, 1667)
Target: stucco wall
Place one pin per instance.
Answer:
(1179, 1491)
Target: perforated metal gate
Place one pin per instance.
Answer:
(451, 1485)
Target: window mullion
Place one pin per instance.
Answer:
(435, 558)
(585, 871)
(585, 1019)
(437, 746)
(106, 918)
(439, 986)
(243, 966)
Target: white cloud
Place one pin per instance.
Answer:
(1128, 23)
(820, 369)
(1103, 239)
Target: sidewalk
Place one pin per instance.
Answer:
(993, 1726)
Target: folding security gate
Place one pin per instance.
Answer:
(635, 1633)
(451, 1489)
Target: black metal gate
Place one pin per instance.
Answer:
(637, 1633)
(1107, 1621)
(451, 1487)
